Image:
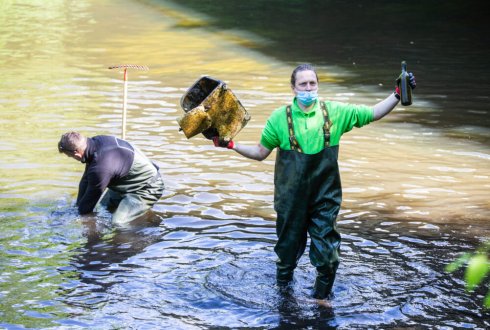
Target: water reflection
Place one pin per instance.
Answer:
(294, 315)
(414, 198)
(370, 40)
(100, 260)
(215, 269)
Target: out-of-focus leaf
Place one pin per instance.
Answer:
(457, 263)
(477, 269)
(486, 303)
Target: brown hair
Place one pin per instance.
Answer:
(71, 142)
(302, 67)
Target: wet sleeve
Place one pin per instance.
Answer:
(97, 182)
(82, 187)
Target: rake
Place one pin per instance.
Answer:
(125, 94)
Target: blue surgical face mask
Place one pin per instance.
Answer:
(307, 98)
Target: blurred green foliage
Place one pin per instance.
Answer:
(477, 268)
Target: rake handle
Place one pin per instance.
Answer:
(125, 95)
(125, 101)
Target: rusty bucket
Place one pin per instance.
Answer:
(212, 109)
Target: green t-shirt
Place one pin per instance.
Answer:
(308, 126)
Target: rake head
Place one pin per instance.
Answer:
(129, 66)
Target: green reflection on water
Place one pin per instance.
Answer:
(37, 75)
(38, 70)
(31, 280)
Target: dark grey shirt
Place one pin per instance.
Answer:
(111, 163)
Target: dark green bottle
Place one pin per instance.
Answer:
(404, 85)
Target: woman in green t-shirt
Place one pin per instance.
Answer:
(307, 189)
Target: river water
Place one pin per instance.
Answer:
(415, 192)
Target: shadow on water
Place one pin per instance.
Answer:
(445, 43)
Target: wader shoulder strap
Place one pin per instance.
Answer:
(326, 128)
(326, 125)
(292, 139)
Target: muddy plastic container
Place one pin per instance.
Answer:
(212, 109)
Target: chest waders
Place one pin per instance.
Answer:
(307, 198)
(136, 193)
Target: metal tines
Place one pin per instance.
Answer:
(129, 66)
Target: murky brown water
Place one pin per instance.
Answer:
(413, 197)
